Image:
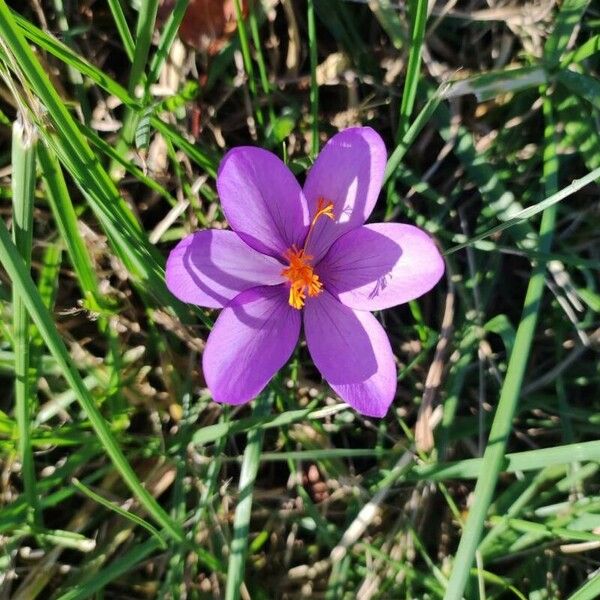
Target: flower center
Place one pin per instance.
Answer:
(300, 273)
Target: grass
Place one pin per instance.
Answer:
(122, 478)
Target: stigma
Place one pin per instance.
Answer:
(300, 272)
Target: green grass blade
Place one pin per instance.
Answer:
(581, 85)
(243, 511)
(18, 273)
(143, 38)
(531, 211)
(409, 137)
(418, 11)
(530, 460)
(490, 85)
(509, 396)
(314, 88)
(166, 41)
(66, 221)
(260, 60)
(588, 591)
(581, 132)
(117, 509)
(569, 16)
(247, 59)
(23, 187)
(122, 27)
(118, 567)
(584, 51)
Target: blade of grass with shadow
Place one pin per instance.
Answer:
(568, 17)
(24, 140)
(588, 591)
(167, 38)
(121, 24)
(314, 88)
(66, 222)
(143, 37)
(581, 85)
(247, 60)
(418, 15)
(531, 211)
(120, 511)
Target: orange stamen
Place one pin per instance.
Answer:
(300, 273)
(301, 276)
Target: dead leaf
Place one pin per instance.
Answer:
(208, 24)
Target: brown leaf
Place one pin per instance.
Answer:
(207, 24)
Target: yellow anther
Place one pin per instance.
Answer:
(300, 273)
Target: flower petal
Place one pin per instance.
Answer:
(353, 353)
(251, 340)
(349, 173)
(381, 265)
(262, 200)
(210, 268)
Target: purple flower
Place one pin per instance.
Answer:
(303, 254)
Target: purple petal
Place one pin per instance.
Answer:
(353, 353)
(349, 173)
(251, 340)
(210, 268)
(262, 200)
(381, 265)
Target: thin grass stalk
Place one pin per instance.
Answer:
(509, 396)
(241, 521)
(66, 221)
(166, 41)
(247, 59)
(260, 60)
(122, 27)
(419, 19)
(410, 135)
(144, 30)
(74, 75)
(143, 37)
(531, 211)
(24, 141)
(21, 280)
(314, 88)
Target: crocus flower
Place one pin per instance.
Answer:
(298, 255)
